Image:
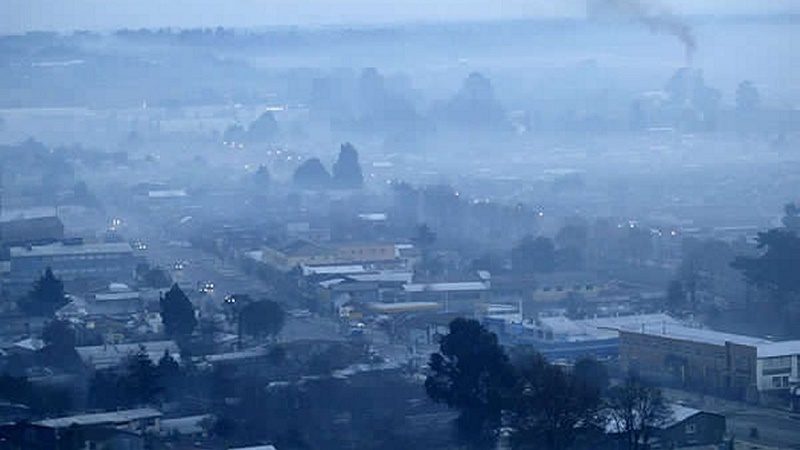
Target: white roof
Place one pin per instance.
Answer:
(80, 249)
(9, 215)
(109, 355)
(692, 334)
(447, 287)
(373, 217)
(403, 306)
(679, 413)
(384, 275)
(169, 193)
(776, 349)
(258, 447)
(113, 417)
(339, 269)
(184, 425)
(32, 344)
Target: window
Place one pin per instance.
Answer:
(691, 428)
(776, 382)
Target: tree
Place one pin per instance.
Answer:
(557, 407)
(634, 409)
(169, 375)
(235, 133)
(592, 373)
(471, 373)
(142, 380)
(791, 217)
(424, 238)
(347, 170)
(747, 97)
(177, 313)
(676, 296)
(47, 295)
(262, 177)
(156, 277)
(264, 128)
(533, 255)
(777, 269)
(311, 175)
(59, 349)
(262, 319)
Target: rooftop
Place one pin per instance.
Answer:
(403, 307)
(110, 355)
(257, 447)
(679, 413)
(447, 287)
(692, 334)
(776, 349)
(112, 417)
(59, 248)
(185, 425)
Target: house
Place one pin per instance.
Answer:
(122, 429)
(684, 427)
(108, 356)
(187, 426)
(117, 300)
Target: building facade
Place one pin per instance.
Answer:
(699, 359)
(72, 261)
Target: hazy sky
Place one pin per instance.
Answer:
(25, 15)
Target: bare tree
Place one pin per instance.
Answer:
(634, 409)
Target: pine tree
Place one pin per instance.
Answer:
(347, 170)
(177, 313)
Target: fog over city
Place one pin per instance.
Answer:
(351, 224)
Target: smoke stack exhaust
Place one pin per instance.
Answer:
(656, 18)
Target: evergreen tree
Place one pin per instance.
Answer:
(47, 295)
(262, 319)
(347, 170)
(312, 175)
(471, 373)
(177, 313)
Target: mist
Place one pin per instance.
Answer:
(358, 225)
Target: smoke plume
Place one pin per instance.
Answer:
(657, 19)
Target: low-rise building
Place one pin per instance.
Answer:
(702, 359)
(72, 260)
(683, 427)
(99, 357)
(30, 230)
(465, 296)
(778, 367)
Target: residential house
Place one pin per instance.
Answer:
(122, 429)
(99, 357)
(684, 427)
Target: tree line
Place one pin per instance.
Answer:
(532, 403)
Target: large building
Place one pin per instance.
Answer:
(72, 261)
(26, 230)
(701, 359)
